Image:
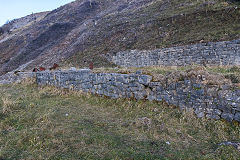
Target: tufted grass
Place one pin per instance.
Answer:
(49, 123)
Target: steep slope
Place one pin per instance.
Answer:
(48, 34)
(84, 31)
(13, 37)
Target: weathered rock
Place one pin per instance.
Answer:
(228, 116)
(237, 116)
(200, 114)
(73, 69)
(234, 144)
(139, 72)
(144, 79)
(212, 116)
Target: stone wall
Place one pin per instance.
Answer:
(212, 101)
(12, 77)
(212, 53)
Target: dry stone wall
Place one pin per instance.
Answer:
(214, 102)
(212, 53)
(12, 77)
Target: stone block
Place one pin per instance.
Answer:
(144, 79)
(228, 116)
(237, 116)
(212, 116)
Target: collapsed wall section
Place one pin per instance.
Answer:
(16, 77)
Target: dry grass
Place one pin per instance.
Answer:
(28, 81)
(7, 105)
(71, 125)
(214, 75)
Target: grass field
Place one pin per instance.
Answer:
(47, 123)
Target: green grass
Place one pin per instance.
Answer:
(47, 123)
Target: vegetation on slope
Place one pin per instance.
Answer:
(47, 123)
(162, 23)
(84, 31)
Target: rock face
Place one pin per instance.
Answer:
(218, 53)
(214, 101)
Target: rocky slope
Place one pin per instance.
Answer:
(84, 30)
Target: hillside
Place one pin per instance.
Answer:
(84, 31)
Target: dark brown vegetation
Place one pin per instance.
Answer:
(55, 66)
(42, 69)
(91, 65)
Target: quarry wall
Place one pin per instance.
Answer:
(207, 100)
(211, 53)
